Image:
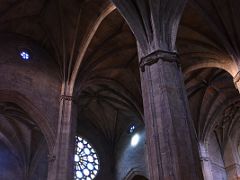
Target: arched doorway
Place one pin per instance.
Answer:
(138, 177)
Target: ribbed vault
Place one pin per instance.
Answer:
(24, 141)
(208, 46)
(108, 86)
(91, 41)
(212, 96)
(61, 27)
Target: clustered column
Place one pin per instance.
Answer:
(231, 159)
(64, 149)
(205, 161)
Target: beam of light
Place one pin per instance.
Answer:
(135, 140)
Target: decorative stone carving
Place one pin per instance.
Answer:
(51, 157)
(155, 56)
(66, 98)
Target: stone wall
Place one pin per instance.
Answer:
(37, 79)
(215, 156)
(130, 160)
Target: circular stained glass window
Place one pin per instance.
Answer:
(25, 55)
(132, 128)
(86, 160)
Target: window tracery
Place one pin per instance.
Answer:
(25, 55)
(86, 160)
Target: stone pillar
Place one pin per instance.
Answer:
(233, 172)
(205, 161)
(236, 80)
(170, 146)
(231, 160)
(63, 157)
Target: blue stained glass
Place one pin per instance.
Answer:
(132, 129)
(25, 55)
(86, 160)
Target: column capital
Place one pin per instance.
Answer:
(155, 56)
(51, 157)
(204, 158)
(66, 98)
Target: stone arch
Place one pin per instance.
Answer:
(86, 42)
(227, 149)
(33, 112)
(206, 84)
(216, 157)
(197, 48)
(139, 177)
(227, 154)
(214, 122)
(206, 64)
(213, 85)
(135, 174)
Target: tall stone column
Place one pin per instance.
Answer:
(171, 147)
(205, 161)
(62, 163)
(231, 160)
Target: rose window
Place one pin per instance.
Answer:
(86, 160)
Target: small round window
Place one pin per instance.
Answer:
(86, 160)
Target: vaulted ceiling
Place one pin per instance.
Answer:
(90, 40)
(61, 27)
(214, 101)
(208, 46)
(109, 92)
(20, 135)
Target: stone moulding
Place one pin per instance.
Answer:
(155, 56)
(236, 79)
(51, 157)
(133, 172)
(66, 98)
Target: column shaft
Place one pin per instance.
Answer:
(65, 144)
(169, 143)
(205, 161)
(231, 160)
